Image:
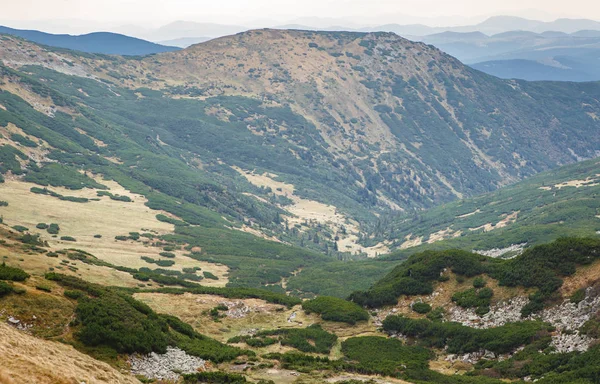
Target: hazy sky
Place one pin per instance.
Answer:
(240, 11)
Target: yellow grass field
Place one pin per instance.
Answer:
(25, 359)
(106, 217)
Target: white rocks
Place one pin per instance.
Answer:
(292, 317)
(566, 317)
(512, 251)
(166, 366)
(498, 315)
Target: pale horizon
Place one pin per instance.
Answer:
(72, 16)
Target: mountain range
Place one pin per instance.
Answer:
(99, 42)
(525, 55)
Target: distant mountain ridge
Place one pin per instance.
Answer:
(98, 42)
(526, 55)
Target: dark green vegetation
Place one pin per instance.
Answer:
(536, 362)
(46, 191)
(541, 267)
(474, 298)
(112, 319)
(421, 308)
(312, 339)
(213, 378)
(377, 355)
(462, 339)
(126, 199)
(12, 273)
(335, 309)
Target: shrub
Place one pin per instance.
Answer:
(68, 238)
(73, 294)
(12, 273)
(474, 298)
(384, 356)
(167, 254)
(53, 229)
(20, 228)
(437, 314)
(5, 288)
(462, 339)
(43, 287)
(335, 309)
(213, 378)
(421, 308)
(42, 226)
(312, 339)
(479, 282)
(209, 275)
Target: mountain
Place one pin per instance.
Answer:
(100, 42)
(525, 55)
(532, 71)
(417, 129)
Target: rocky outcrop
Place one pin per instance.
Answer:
(567, 317)
(167, 366)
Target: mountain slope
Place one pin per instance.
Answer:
(544, 207)
(416, 127)
(99, 42)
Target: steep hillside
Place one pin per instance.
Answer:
(414, 129)
(99, 42)
(418, 126)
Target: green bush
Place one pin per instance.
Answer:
(213, 378)
(421, 308)
(25, 141)
(312, 339)
(73, 294)
(68, 238)
(209, 275)
(53, 229)
(167, 254)
(12, 273)
(20, 228)
(42, 226)
(43, 287)
(5, 288)
(437, 314)
(479, 282)
(462, 339)
(335, 309)
(379, 355)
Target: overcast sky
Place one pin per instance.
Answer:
(245, 11)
